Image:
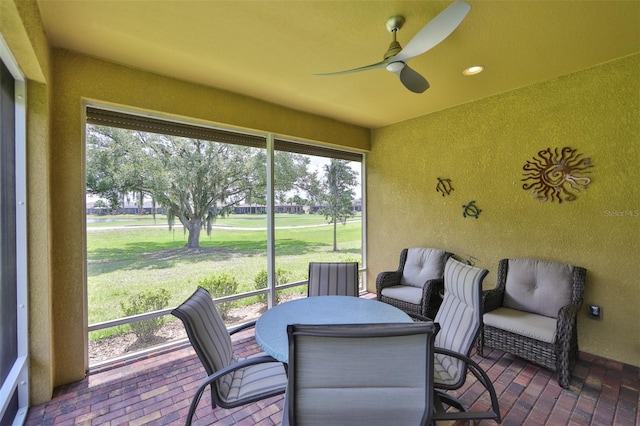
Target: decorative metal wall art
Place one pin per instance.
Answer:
(444, 186)
(556, 174)
(471, 210)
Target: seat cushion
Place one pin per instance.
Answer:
(404, 292)
(441, 375)
(538, 327)
(252, 380)
(537, 286)
(422, 264)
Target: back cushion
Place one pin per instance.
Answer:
(459, 314)
(422, 264)
(537, 286)
(333, 278)
(207, 332)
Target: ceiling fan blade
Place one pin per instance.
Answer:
(435, 31)
(412, 80)
(380, 64)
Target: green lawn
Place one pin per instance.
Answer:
(236, 220)
(130, 255)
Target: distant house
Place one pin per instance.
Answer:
(147, 208)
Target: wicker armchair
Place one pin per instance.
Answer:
(415, 286)
(532, 313)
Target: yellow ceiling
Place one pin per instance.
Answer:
(271, 49)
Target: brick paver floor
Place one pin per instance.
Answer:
(157, 390)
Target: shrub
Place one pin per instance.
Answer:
(262, 279)
(146, 301)
(219, 286)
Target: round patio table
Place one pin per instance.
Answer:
(271, 327)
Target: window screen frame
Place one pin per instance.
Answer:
(97, 114)
(14, 388)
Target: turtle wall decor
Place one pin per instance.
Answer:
(557, 174)
(471, 210)
(444, 186)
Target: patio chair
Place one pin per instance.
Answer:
(532, 313)
(460, 318)
(333, 278)
(234, 381)
(360, 375)
(416, 285)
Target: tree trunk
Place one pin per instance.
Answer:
(140, 202)
(335, 243)
(193, 227)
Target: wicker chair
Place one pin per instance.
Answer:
(416, 285)
(333, 278)
(532, 313)
(360, 374)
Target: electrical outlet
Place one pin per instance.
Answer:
(594, 311)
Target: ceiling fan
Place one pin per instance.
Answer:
(396, 58)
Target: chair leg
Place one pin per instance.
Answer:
(562, 370)
(449, 400)
(480, 343)
(442, 397)
(563, 359)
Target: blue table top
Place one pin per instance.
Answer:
(271, 327)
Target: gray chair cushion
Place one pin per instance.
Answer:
(538, 327)
(459, 318)
(333, 278)
(422, 264)
(209, 336)
(406, 293)
(537, 286)
(254, 380)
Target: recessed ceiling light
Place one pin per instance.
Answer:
(476, 69)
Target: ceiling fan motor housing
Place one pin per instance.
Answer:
(394, 49)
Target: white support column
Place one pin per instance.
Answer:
(271, 257)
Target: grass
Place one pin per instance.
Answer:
(124, 259)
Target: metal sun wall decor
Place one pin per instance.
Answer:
(471, 210)
(444, 186)
(556, 174)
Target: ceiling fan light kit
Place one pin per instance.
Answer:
(395, 66)
(396, 58)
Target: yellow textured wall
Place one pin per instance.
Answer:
(482, 148)
(22, 29)
(42, 357)
(77, 78)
